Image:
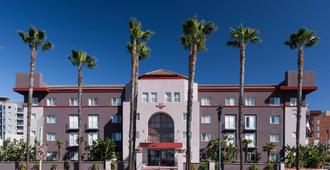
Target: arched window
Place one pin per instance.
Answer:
(161, 128)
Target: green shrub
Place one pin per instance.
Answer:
(23, 166)
(253, 167)
(66, 165)
(95, 167)
(269, 166)
(54, 167)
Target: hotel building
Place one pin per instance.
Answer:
(269, 115)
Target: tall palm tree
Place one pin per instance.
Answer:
(80, 59)
(246, 142)
(299, 40)
(139, 51)
(35, 39)
(240, 37)
(269, 147)
(194, 36)
(59, 144)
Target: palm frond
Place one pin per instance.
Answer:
(47, 45)
(302, 38)
(90, 62)
(143, 51)
(234, 43)
(24, 37)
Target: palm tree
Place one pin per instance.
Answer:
(59, 144)
(139, 51)
(80, 59)
(246, 142)
(194, 36)
(34, 38)
(269, 147)
(299, 40)
(240, 37)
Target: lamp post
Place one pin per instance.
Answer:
(219, 110)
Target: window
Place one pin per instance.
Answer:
(145, 97)
(318, 128)
(51, 156)
(137, 134)
(316, 141)
(184, 116)
(154, 97)
(206, 101)
(73, 122)
(205, 137)
(275, 101)
(294, 134)
(294, 115)
(93, 101)
(33, 133)
(116, 101)
(250, 122)
(230, 138)
(274, 157)
(318, 134)
(293, 101)
(230, 121)
(274, 119)
(73, 139)
(51, 119)
(51, 102)
(168, 97)
(251, 157)
(51, 136)
(116, 136)
(230, 101)
(250, 101)
(93, 121)
(274, 138)
(35, 101)
(33, 116)
(317, 121)
(176, 97)
(137, 116)
(73, 155)
(252, 137)
(116, 119)
(206, 119)
(184, 136)
(92, 137)
(73, 101)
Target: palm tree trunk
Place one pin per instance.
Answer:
(268, 156)
(58, 152)
(132, 106)
(79, 114)
(246, 150)
(299, 103)
(135, 107)
(29, 109)
(240, 102)
(192, 65)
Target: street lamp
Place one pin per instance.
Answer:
(219, 110)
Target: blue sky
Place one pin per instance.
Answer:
(100, 29)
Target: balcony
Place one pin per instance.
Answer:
(91, 128)
(71, 145)
(20, 110)
(71, 128)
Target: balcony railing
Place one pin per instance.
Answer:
(70, 128)
(91, 128)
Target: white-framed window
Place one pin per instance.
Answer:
(274, 157)
(230, 121)
(275, 101)
(205, 137)
(294, 134)
(93, 101)
(51, 136)
(316, 141)
(92, 137)
(176, 97)
(33, 133)
(137, 116)
(251, 157)
(250, 101)
(317, 122)
(293, 101)
(206, 119)
(73, 155)
(93, 121)
(252, 137)
(73, 139)
(230, 138)
(33, 116)
(35, 101)
(294, 114)
(116, 136)
(274, 138)
(184, 116)
(51, 119)
(51, 101)
(145, 97)
(168, 97)
(274, 119)
(117, 119)
(116, 101)
(73, 101)
(73, 122)
(205, 101)
(318, 134)
(318, 128)
(250, 122)
(230, 101)
(154, 97)
(51, 156)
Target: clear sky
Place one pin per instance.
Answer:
(101, 28)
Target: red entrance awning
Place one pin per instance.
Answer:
(162, 145)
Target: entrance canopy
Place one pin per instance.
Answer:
(162, 145)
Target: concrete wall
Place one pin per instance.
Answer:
(290, 125)
(47, 165)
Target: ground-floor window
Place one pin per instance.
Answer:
(161, 157)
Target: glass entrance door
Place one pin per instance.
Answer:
(161, 157)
